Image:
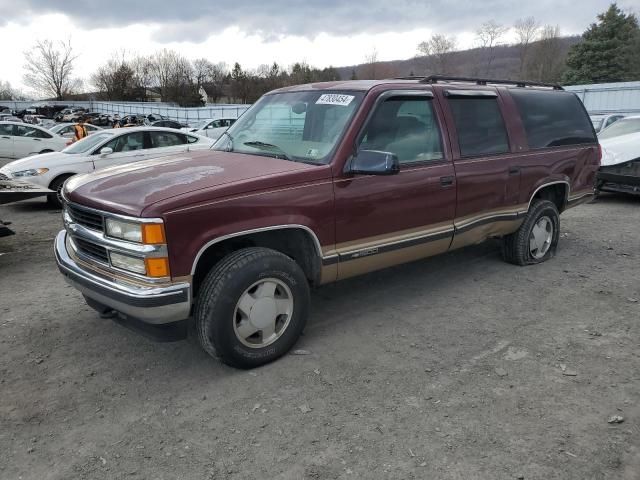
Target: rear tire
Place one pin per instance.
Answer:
(537, 238)
(252, 307)
(55, 199)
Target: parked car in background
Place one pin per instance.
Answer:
(13, 190)
(168, 124)
(102, 149)
(73, 115)
(210, 127)
(154, 117)
(600, 122)
(8, 117)
(19, 140)
(102, 120)
(131, 121)
(318, 183)
(66, 130)
(620, 170)
(624, 126)
(61, 114)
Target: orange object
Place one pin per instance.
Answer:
(157, 267)
(153, 233)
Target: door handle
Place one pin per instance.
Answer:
(37, 140)
(446, 181)
(514, 170)
(8, 138)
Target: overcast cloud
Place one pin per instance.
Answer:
(321, 32)
(196, 20)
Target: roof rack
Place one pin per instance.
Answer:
(480, 81)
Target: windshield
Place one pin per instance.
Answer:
(297, 126)
(86, 144)
(621, 127)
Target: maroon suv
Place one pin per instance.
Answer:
(317, 183)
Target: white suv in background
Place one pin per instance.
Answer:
(103, 149)
(19, 140)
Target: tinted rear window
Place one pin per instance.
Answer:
(552, 118)
(480, 126)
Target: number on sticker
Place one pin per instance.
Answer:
(334, 99)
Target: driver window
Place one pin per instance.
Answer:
(405, 126)
(127, 143)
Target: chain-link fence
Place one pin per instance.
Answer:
(183, 115)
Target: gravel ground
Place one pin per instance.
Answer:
(457, 367)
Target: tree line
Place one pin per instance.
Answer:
(606, 52)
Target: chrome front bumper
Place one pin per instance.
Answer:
(154, 304)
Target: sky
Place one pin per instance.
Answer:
(321, 32)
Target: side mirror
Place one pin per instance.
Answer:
(106, 151)
(374, 162)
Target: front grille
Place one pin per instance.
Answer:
(3, 177)
(86, 218)
(92, 250)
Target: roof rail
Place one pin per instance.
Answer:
(480, 81)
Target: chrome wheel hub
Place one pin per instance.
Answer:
(541, 237)
(263, 313)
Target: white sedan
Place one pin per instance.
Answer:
(102, 149)
(66, 130)
(18, 140)
(212, 128)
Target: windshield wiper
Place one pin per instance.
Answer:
(263, 145)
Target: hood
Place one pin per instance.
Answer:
(44, 160)
(130, 189)
(620, 149)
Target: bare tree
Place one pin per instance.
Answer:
(142, 75)
(526, 30)
(488, 36)
(547, 60)
(48, 68)
(173, 75)
(210, 76)
(116, 79)
(6, 92)
(371, 60)
(438, 52)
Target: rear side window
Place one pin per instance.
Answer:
(552, 118)
(167, 139)
(26, 131)
(480, 126)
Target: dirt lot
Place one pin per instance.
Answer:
(458, 367)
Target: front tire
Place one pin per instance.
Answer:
(537, 238)
(252, 307)
(55, 199)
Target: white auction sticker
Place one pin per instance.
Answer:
(334, 99)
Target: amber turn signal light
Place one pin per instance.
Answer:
(153, 233)
(157, 267)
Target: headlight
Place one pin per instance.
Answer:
(124, 230)
(32, 172)
(147, 233)
(125, 262)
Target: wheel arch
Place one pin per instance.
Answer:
(556, 191)
(59, 176)
(298, 242)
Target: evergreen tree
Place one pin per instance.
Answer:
(609, 50)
